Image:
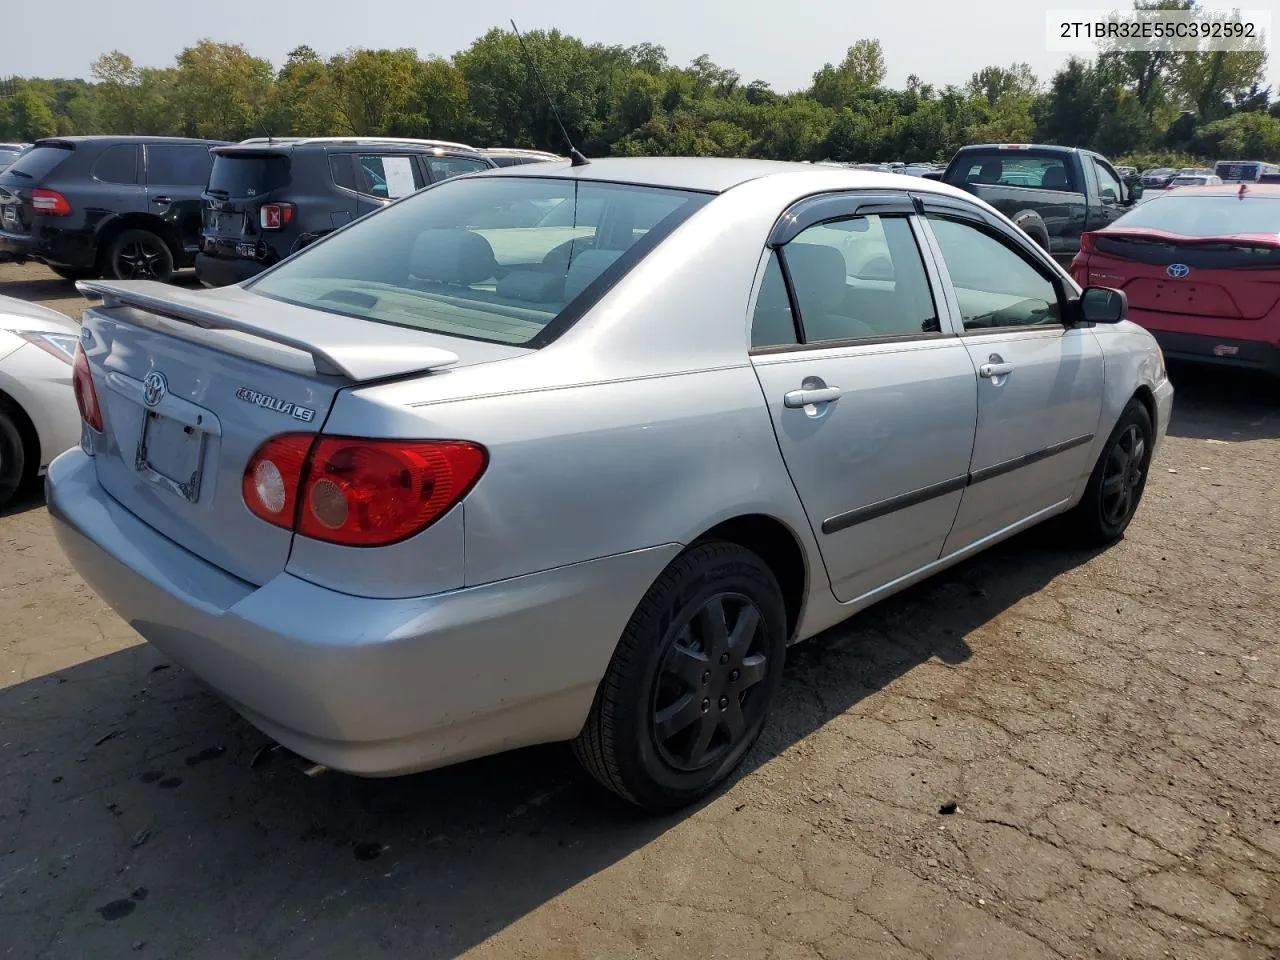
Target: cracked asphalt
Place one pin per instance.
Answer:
(1039, 754)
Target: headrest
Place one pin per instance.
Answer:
(818, 273)
(1055, 178)
(536, 286)
(452, 256)
(585, 268)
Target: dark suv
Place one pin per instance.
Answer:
(124, 207)
(270, 197)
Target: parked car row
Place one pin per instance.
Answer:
(143, 207)
(10, 152)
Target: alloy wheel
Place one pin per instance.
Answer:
(139, 260)
(705, 699)
(1123, 476)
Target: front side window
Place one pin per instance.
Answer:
(853, 279)
(1108, 184)
(469, 258)
(186, 166)
(442, 168)
(387, 177)
(118, 164)
(996, 286)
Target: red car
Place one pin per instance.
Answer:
(1201, 269)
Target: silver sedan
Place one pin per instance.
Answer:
(564, 452)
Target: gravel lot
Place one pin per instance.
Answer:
(1107, 727)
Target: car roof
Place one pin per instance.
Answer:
(709, 174)
(359, 141)
(112, 138)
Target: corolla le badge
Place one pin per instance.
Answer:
(268, 402)
(154, 387)
(1177, 270)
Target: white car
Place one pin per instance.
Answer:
(38, 414)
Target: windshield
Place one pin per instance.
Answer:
(488, 258)
(38, 162)
(247, 174)
(1189, 215)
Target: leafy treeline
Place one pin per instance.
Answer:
(1154, 107)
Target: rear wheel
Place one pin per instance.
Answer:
(1118, 480)
(692, 679)
(138, 255)
(13, 460)
(75, 273)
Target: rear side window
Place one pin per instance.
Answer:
(39, 162)
(341, 170)
(442, 168)
(118, 164)
(854, 279)
(186, 165)
(386, 176)
(466, 259)
(247, 174)
(1012, 170)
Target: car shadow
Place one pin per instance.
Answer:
(53, 287)
(136, 807)
(27, 497)
(1216, 403)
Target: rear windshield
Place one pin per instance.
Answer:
(1237, 171)
(1189, 215)
(477, 258)
(1011, 170)
(247, 175)
(38, 162)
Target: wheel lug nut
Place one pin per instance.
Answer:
(706, 677)
(724, 702)
(724, 658)
(733, 676)
(706, 705)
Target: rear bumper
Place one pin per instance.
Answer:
(1220, 351)
(371, 687)
(15, 247)
(225, 271)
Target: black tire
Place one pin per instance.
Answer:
(13, 457)
(665, 667)
(1033, 226)
(136, 254)
(1119, 477)
(75, 273)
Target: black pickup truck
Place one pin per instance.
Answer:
(1053, 193)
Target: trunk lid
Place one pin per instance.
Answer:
(1217, 277)
(191, 383)
(25, 174)
(240, 182)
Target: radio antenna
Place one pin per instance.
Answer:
(578, 160)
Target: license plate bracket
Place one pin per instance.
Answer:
(171, 454)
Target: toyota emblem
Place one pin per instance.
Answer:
(1178, 270)
(154, 387)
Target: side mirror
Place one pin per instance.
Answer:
(1103, 305)
(1135, 191)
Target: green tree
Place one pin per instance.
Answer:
(303, 99)
(221, 91)
(995, 83)
(863, 67)
(1071, 113)
(372, 88)
(1210, 81)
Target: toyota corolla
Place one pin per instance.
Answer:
(459, 478)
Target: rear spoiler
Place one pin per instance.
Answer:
(338, 345)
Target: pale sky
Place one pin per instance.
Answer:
(780, 41)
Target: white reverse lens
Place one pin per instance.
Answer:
(269, 485)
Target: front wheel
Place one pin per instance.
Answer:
(691, 681)
(139, 255)
(1118, 480)
(13, 458)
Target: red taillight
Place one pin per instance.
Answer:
(50, 202)
(274, 216)
(356, 492)
(86, 395)
(1086, 243)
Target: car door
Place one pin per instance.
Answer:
(1039, 382)
(1107, 187)
(176, 175)
(872, 394)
